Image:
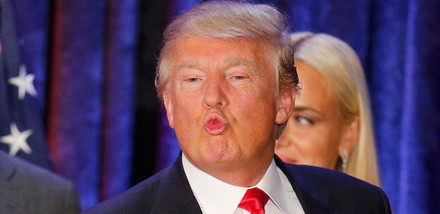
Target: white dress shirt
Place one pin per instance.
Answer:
(217, 197)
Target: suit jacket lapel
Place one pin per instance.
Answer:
(313, 199)
(176, 193)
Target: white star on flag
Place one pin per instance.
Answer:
(17, 140)
(24, 82)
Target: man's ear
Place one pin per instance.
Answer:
(168, 103)
(350, 136)
(286, 102)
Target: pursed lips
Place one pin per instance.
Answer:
(215, 124)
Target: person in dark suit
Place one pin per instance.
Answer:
(228, 84)
(26, 188)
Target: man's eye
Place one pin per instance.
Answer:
(238, 77)
(192, 79)
(303, 120)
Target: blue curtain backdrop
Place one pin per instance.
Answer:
(90, 111)
(95, 62)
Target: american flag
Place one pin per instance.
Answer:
(21, 124)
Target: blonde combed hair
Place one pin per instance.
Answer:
(340, 65)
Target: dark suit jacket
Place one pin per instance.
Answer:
(25, 188)
(319, 191)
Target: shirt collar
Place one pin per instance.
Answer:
(216, 196)
(272, 185)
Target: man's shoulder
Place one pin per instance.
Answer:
(165, 192)
(138, 199)
(331, 180)
(345, 192)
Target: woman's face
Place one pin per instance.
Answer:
(315, 131)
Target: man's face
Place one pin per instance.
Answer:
(222, 102)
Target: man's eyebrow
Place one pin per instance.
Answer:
(227, 64)
(235, 61)
(187, 65)
(239, 61)
(306, 108)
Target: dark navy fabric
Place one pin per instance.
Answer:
(318, 190)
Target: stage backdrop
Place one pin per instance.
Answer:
(94, 64)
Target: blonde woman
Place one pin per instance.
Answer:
(331, 126)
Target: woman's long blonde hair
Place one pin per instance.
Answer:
(338, 62)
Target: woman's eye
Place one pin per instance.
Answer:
(303, 121)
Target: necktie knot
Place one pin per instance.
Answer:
(254, 201)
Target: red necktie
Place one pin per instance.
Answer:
(254, 201)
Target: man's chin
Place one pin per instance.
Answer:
(213, 161)
(217, 158)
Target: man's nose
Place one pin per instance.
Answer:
(215, 96)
